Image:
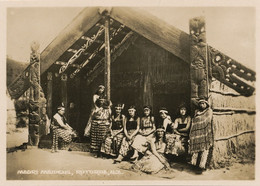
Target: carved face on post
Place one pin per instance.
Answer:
(198, 31)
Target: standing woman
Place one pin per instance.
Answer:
(99, 94)
(181, 130)
(113, 141)
(101, 119)
(146, 132)
(131, 128)
(201, 135)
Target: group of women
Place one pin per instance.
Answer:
(144, 140)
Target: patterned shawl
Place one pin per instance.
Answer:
(201, 133)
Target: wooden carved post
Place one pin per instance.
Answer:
(34, 109)
(198, 57)
(49, 94)
(107, 57)
(64, 93)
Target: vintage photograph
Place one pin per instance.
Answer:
(130, 93)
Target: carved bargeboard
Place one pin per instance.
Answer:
(198, 57)
(17, 88)
(231, 73)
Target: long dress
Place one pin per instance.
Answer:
(111, 145)
(140, 142)
(179, 145)
(201, 137)
(131, 126)
(99, 128)
(150, 163)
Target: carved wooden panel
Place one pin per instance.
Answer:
(198, 57)
(231, 73)
(20, 85)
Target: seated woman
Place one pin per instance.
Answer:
(100, 122)
(153, 161)
(147, 129)
(166, 122)
(113, 141)
(131, 127)
(61, 129)
(181, 130)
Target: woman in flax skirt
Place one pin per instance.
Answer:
(113, 141)
(101, 120)
(146, 132)
(201, 136)
(99, 94)
(131, 128)
(153, 161)
(181, 130)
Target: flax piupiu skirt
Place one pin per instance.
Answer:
(98, 132)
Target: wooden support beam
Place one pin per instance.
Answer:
(49, 94)
(107, 58)
(198, 58)
(128, 40)
(147, 89)
(64, 92)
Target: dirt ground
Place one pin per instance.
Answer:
(41, 164)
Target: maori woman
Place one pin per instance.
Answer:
(181, 131)
(131, 128)
(154, 160)
(100, 122)
(113, 141)
(146, 132)
(201, 136)
(166, 122)
(61, 130)
(99, 94)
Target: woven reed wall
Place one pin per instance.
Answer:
(233, 124)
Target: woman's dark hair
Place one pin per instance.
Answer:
(114, 113)
(136, 114)
(149, 107)
(157, 137)
(183, 105)
(97, 93)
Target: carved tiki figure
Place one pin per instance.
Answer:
(198, 52)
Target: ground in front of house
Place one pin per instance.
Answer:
(41, 164)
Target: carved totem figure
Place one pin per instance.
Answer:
(198, 56)
(37, 98)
